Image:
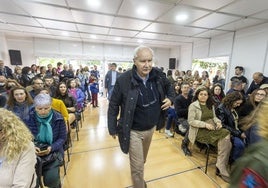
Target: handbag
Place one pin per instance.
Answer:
(47, 159)
(211, 121)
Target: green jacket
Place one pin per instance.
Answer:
(251, 170)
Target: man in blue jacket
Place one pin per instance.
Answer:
(142, 95)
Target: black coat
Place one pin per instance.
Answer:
(227, 120)
(124, 99)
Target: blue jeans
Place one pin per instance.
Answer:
(171, 117)
(238, 148)
(252, 135)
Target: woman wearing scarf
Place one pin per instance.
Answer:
(48, 128)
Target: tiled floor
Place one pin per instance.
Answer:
(97, 162)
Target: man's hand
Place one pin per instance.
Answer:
(166, 104)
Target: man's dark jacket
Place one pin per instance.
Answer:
(124, 98)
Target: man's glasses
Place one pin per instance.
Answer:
(147, 104)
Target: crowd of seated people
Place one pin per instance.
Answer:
(232, 112)
(46, 106)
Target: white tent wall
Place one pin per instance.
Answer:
(32, 48)
(186, 57)
(246, 47)
(3, 48)
(26, 47)
(250, 50)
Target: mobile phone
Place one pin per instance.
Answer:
(43, 148)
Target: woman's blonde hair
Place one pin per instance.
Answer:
(262, 119)
(14, 135)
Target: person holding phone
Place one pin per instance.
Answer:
(49, 130)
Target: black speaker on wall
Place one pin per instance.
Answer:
(172, 63)
(15, 57)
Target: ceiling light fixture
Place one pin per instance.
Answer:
(65, 33)
(142, 11)
(140, 41)
(94, 3)
(181, 17)
(117, 39)
(93, 36)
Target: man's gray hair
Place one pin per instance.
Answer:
(141, 47)
(42, 99)
(235, 82)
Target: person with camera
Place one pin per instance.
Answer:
(49, 130)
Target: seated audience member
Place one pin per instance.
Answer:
(66, 73)
(11, 83)
(236, 85)
(26, 76)
(258, 80)
(217, 94)
(188, 77)
(77, 93)
(3, 90)
(195, 84)
(3, 101)
(68, 100)
(181, 104)
(205, 81)
(55, 76)
(196, 76)
(49, 131)
(205, 127)
(42, 73)
(17, 75)
(5, 70)
(170, 77)
(252, 102)
(20, 103)
(49, 70)
(37, 85)
(251, 169)
(57, 105)
(250, 126)
(171, 113)
(239, 70)
(3, 80)
(49, 83)
(226, 112)
(17, 152)
(265, 87)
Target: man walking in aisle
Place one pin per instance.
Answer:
(142, 95)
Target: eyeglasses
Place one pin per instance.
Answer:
(39, 83)
(260, 94)
(151, 102)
